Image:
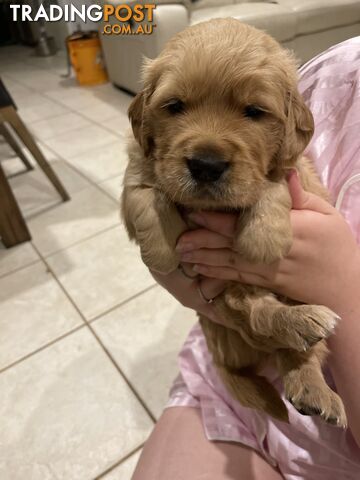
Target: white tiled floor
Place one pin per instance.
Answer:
(88, 343)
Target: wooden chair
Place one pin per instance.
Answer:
(6, 133)
(13, 229)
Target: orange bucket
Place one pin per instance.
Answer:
(86, 58)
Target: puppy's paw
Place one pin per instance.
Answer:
(263, 245)
(313, 399)
(302, 326)
(162, 259)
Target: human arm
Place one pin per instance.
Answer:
(322, 267)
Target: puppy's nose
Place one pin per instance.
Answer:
(206, 167)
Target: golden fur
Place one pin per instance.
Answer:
(217, 69)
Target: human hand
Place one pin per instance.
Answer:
(322, 267)
(183, 284)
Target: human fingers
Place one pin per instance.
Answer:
(211, 287)
(187, 270)
(266, 277)
(223, 223)
(186, 291)
(220, 257)
(220, 273)
(302, 200)
(195, 292)
(225, 257)
(175, 282)
(202, 238)
(208, 289)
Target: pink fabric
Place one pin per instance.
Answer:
(330, 85)
(307, 448)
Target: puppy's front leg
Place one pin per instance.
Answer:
(279, 325)
(305, 386)
(264, 230)
(155, 223)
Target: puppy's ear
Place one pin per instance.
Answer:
(136, 114)
(139, 124)
(299, 128)
(137, 108)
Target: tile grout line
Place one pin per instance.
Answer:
(127, 381)
(73, 330)
(79, 172)
(81, 152)
(112, 467)
(44, 139)
(91, 183)
(84, 117)
(37, 92)
(106, 351)
(18, 269)
(121, 304)
(43, 94)
(96, 317)
(43, 347)
(78, 242)
(44, 258)
(49, 255)
(72, 110)
(106, 192)
(80, 113)
(94, 235)
(88, 180)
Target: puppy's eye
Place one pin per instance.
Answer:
(254, 112)
(174, 106)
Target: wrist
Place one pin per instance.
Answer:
(347, 298)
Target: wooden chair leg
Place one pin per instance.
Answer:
(10, 115)
(5, 132)
(13, 229)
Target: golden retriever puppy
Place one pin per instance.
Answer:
(217, 125)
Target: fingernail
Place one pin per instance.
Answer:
(184, 247)
(292, 173)
(197, 218)
(199, 268)
(186, 257)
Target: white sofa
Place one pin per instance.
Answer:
(306, 26)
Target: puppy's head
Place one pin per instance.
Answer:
(220, 114)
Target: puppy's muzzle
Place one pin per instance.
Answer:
(207, 167)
